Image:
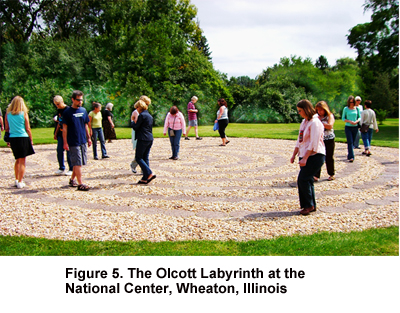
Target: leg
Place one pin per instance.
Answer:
(350, 141)
(365, 140)
(20, 167)
(172, 141)
(177, 140)
(77, 172)
(60, 153)
(357, 139)
(330, 162)
(102, 143)
(196, 131)
(94, 143)
(142, 157)
(187, 132)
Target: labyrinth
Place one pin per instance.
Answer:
(243, 191)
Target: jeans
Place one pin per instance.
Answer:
(98, 132)
(175, 142)
(351, 133)
(142, 157)
(305, 180)
(367, 137)
(60, 155)
(356, 142)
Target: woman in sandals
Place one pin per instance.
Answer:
(175, 125)
(144, 134)
(17, 124)
(222, 120)
(327, 119)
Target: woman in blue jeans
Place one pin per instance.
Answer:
(144, 134)
(96, 131)
(368, 117)
(351, 115)
(175, 121)
(311, 150)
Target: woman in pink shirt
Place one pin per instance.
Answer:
(175, 125)
(311, 150)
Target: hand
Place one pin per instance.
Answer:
(292, 159)
(89, 142)
(66, 147)
(165, 134)
(303, 162)
(55, 137)
(377, 130)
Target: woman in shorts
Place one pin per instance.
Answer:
(17, 124)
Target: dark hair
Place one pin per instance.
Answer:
(349, 99)
(307, 108)
(76, 93)
(222, 102)
(173, 110)
(368, 103)
(96, 104)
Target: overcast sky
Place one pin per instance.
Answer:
(247, 36)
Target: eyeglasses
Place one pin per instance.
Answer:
(351, 102)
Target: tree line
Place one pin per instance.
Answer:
(115, 51)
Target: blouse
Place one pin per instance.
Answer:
(311, 137)
(175, 122)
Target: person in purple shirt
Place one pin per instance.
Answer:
(192, 117)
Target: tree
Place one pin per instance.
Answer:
(322, 63)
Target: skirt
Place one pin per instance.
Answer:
(21, 147)
(109, 132)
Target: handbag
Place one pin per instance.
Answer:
(364, 128)
(6, 137)
(171, 131)
(216, 126)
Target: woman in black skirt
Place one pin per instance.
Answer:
(17, 124)
(108, 123)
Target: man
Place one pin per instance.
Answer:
(192, 117)
(76, 135)
(358, 136)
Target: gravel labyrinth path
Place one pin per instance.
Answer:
(243, 191)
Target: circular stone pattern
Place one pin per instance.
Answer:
(243, 191)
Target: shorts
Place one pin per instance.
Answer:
(193, 123)
(78, 155)
(21, 147)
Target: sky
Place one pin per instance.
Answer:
(248, 36)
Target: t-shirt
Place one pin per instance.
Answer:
(192, 115)
(96, 119)
(106, 114)
(351, 115)
(76, 119)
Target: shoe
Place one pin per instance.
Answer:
(16, 182)
(227, 142)
(187, 138)
(171, 158)
(105, 157)
(83, 187)
(331, 178)
(96, 158)
(59, 172)
(364, 153)
(175, 158)
(133, 166)
(351, 160)
(316, 179)
(369, 154)
(151, 178)
(69, 173)
(20, 185)
(357, 148)
(73, 183)
(199, 138)
(308, 210)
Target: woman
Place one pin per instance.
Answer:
(96, 131)
(327, 119)
(175, 124)
(144, 134)
(108, 124)
(311, 150)
(17, 124)
(222, 120)
(368, 117)
(61, 107)
(351, 115)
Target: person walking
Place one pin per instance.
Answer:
(368, 117)
(174, 124)
(108, 123)
(311, 151)
(351, 116)
(222, 120)
(192, 117)
(358, 105)
(96, 131)
(58, 135)
(21, 142)
(144, 134)
(76, 136)
(327, 119)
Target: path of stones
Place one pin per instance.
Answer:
(246, 190)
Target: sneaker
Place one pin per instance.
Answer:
(20, 185)
(105, 157)
(16, 182)
(69, 173)
(59, 172)
(199, 138)
(96, 158)
(187, 138)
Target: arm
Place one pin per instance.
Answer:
(221, 111)
(111, 122)
(28, 127)
(183, 124)
(90, 126)
(166, 124)
(295, 153)
(1, 122)
(88, 134)
(374, 122)
(64, 134)
(57, 130)
(331, 121)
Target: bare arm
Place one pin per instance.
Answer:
(111, 122)
(28, 127)
(88, 134)
(64, 134)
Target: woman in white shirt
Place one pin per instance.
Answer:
(311, 150)
(368, 117)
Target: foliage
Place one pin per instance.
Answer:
(381, 115)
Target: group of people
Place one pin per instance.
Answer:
(316, 142)
(76, 130)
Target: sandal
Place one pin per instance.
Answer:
(83, 187)
(73, 183)
(331, 178)
(151, 178)
(227, 142)
(222, 145)
(142, 182)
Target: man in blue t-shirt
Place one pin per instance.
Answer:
(76, 135)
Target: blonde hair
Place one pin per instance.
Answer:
(58, 99)
(324, 106)
(194, 98)
(146, 100)
(141, 104)
(17, 106)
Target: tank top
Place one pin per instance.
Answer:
(17, 125)
(328, 133)
(224, 115)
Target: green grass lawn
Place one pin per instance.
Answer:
(383, 241)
